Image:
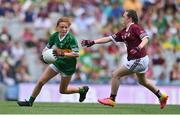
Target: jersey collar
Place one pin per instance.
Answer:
(129, 26)
(61, 39)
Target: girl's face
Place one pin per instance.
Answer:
(63, 28)
(125, 19)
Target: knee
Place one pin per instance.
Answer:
(115, 75)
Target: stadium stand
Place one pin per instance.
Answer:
(25, 26)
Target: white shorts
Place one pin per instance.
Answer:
(137, 65)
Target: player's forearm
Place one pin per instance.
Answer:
(143, 43)
(102, 40)
(71, 54)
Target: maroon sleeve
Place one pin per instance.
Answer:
(140, 32)
(117, 37)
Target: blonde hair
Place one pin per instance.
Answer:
(64, 19)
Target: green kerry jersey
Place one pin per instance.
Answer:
(66, 65)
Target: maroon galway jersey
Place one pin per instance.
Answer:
(132, 37)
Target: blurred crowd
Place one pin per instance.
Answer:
(25, 26)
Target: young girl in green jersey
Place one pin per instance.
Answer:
(66, 49)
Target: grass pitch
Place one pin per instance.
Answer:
(10, 107)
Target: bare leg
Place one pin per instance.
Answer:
(45, 77)
(146, 83)
(64, 89)
(117, 74)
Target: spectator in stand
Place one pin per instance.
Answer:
(79, 77)
(53, 6)
(17, 51)
(28, 37)
(4, 35)
(170, 5)
(116, 12)
(8, 74)
(22, 74)
(106, 8)
(150, 28)
(175, 74)
(29, 15)
(43, 21)
(8, 10)
(133, 4)
(2, 10)
(5, 43)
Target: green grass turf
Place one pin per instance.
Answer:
(10, 107)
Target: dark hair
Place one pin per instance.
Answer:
(132, 14)
(64, 19)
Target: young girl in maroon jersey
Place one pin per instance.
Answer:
(135, 38)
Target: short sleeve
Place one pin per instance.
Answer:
(139, 31)
(50, 41)
(117, 37)
(74, 45)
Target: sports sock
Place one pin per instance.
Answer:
(31, 100)
(81, 90)
(113, 97)
(158, 94)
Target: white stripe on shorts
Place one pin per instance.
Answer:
(54, 68)
(57, 70)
